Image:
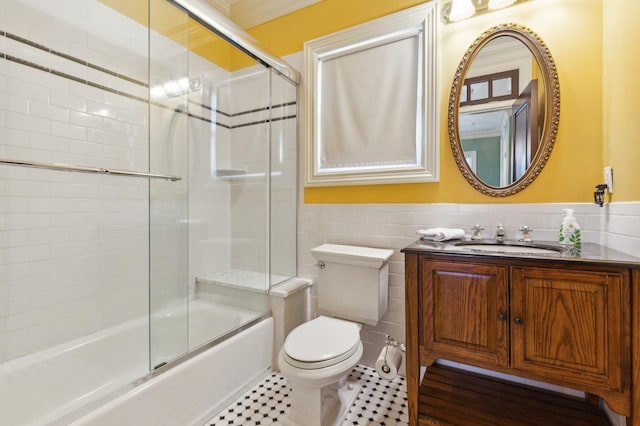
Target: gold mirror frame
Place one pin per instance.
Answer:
(552, 112)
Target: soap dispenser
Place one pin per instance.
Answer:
(569, 229)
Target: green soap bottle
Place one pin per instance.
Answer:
(569, 229)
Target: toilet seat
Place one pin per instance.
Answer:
(321, 342)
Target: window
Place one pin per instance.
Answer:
(371, 102)
(489, 88)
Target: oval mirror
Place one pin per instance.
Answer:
(504, 110)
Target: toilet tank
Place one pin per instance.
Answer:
(353, 282)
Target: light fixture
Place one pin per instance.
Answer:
(457, 10)
(499, 4)
(175, 87)
(461, 9)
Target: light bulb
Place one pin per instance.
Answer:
(498, 4)
(157, 92)
(172, 88)
(461, 9)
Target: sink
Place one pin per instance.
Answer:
(510, 247)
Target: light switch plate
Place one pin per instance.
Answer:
(608, 178)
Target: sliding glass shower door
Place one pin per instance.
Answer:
(284, 179)
(168, 202)
(221, 237)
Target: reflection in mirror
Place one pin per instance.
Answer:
(503, 110)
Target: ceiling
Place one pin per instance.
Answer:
(482, 124)
(249, 13)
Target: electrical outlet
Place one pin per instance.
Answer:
(608, 178)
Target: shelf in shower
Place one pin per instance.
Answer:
(240, 279)
(229, 173)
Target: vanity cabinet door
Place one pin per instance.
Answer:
(464, 312)
(570, 325)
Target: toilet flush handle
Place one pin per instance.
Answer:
(320, 265)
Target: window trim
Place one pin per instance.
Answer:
(490, 78)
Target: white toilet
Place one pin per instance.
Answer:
(318, 355)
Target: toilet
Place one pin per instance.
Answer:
(317, 356)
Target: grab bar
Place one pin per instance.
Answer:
(82, 169)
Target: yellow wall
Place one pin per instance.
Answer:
(164, 18)
(599, 114)
(136, 10)
(621, 118)
(572, 29)
(287, 34)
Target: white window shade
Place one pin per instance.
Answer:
(372, 102)
(364, 122)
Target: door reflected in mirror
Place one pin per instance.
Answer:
(503, 110)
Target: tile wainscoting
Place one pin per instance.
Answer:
(394, 226)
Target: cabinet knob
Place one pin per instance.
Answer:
(518, 320)
(501, 316)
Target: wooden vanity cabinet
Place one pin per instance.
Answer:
(558, 322)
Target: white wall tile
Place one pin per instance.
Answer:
(48, 111)
(26, 188)
(26, 221)
(68, 131)
(26, 254)
(394, 227)
(26, 89)
(3, 12)
(14, 136)
(13, 205)
(64, 99)
(26, 122)
(102, 109)
(80, 146)
(14, 103)
(88, 120)
(75, 244)
(44, 142)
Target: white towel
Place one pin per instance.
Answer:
(440, 234)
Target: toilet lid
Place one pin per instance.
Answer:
(322, 339)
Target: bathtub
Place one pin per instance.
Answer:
(94, 380)
(208, 320)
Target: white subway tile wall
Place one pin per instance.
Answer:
(74, 247)
(394, 226)
(621, 225)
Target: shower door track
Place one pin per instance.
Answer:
(82, 169)
(203, 12)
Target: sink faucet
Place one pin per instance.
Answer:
(500, 234)
(477, 232)
(526, 234)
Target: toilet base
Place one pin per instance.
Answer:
(327, 406)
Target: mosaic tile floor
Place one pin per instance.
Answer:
(379, 402)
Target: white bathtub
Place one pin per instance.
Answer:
(192, 392)
(51, 386)
(207, 320)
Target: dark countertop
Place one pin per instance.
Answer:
(590, 253)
